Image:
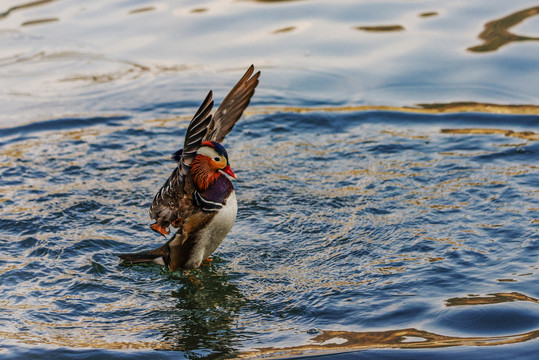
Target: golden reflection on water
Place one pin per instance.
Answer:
(428, 14)
(434, 108)
(141, 10)
(116, 335)
(74, 340)
(496, 33)
(39, 21)
(24, 6)
(328, 342)
(478, 107)
(284, 30)
(199, 10)
(381, 28)
(527, 135)
(273, 1)
(490, 299)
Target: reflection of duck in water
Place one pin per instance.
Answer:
(203, 319)
(198, 198)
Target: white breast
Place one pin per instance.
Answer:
(214, 233)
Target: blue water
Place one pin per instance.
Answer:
(388, 180)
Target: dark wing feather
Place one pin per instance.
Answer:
(166, 206)
(195, 134)
(232, 106)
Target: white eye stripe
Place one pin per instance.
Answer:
(211, 153)
(207, 151)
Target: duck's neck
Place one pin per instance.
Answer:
(211, 184)
(219, 190)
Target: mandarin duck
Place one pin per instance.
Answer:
(198, 197)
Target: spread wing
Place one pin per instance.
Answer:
(232, 106)
(196, 131)
(173, 201)
(167, 203)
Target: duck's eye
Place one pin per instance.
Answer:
(217, 159)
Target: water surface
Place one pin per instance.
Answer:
(387, 192)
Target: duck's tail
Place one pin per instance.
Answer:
(160, 256)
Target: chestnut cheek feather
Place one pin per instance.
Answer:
(203, 173)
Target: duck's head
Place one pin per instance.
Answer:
(210, 162)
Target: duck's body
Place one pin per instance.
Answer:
(198, 198)
(208, 238)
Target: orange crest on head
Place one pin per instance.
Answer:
(208, 143)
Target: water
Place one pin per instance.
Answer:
(387, 186)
